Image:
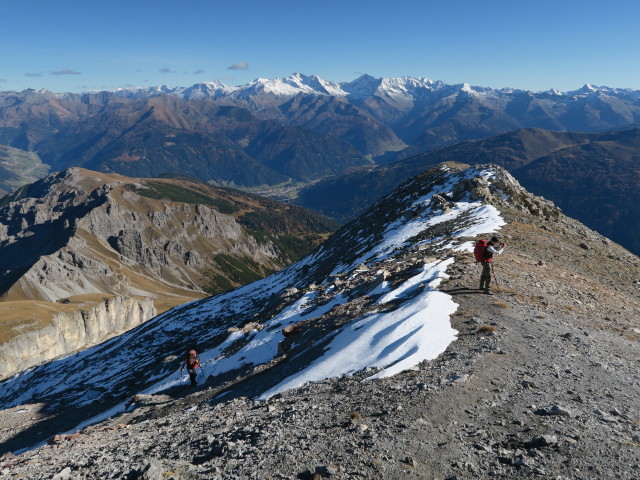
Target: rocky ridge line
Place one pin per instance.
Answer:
(539, 384)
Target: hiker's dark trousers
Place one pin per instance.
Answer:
(485, 278)
(192, 375)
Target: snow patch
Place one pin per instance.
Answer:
(392, 341)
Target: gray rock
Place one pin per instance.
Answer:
(458, 378)
(605, 416)
(555, 410)
(64, 474)
(151, 470)
(543, 441)
(326, 470)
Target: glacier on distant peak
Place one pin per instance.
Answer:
(398, 87)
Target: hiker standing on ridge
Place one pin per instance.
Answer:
(484, 252)
(192, 362)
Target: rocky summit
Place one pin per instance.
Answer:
(374, 357)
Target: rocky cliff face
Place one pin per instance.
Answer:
(79, 234)
(69, 332)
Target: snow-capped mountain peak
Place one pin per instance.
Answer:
(367, 86)
(292, 85)
(554, 92)
(361, 87)
(212, 89)
(467, 88)
(404, 89)
(589, 90)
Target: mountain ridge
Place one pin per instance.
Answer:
(365, 85)
(532, 386)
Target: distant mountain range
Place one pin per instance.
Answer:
(594, 177)
(149, 137)
(421, 112)
(292, 130)
(296, 131)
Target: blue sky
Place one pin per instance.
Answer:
(72, 45)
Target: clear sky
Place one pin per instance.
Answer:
(73, 45)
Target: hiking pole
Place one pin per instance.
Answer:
(493, 271)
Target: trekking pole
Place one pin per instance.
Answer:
(493, 271)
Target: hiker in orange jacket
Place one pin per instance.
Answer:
(192, 362)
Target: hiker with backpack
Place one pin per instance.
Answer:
(484, 252)
(192, 362)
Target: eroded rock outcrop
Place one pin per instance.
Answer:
(81, 232)
(68, 332)
(504, 190)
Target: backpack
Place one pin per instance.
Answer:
(480, 251)
(192, 359)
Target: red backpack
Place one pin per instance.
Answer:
(192, 359)
(480, 251)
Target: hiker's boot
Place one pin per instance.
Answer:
(488, 292)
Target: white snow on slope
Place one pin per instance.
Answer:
(398, 340)
(261, 348)
(391, 342)
(419, 330)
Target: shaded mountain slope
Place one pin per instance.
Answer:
(540, 381)
(338, 117)
(597, 182)
(593, 177)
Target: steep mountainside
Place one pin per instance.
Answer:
(77, 238)
(374, 357)
(592, 177)
(337, 117)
